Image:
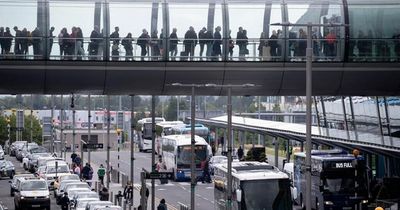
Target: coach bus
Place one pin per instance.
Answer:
(144, 130)
(163, 129)
(199, 129)
(338, 179)
(177, 153)
(255, 185)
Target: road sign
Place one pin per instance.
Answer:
(92, 146)
(20, 119)
(159, 175)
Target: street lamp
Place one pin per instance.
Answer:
(309, 57)
(229, 111)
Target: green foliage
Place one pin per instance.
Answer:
(26, 133)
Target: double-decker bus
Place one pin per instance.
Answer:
(199, 129)
(338, 180)
(255, 185)
(177, 154)
(144, 130)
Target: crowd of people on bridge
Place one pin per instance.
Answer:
(211, 43)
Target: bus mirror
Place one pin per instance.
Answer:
(239, 195)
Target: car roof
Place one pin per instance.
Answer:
(23, 175)
(107, 207)
(29, 179)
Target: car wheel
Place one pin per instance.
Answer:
(47, 208)
(12, 175)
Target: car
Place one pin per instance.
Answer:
(32, 193)
(40, 171)
(73, 191)
(64, 178)
(33, 160)
(23, 152)
(60, 190)
(113, 207)
(83, 195)
(7, 169)
(93, 204)
(15, 146)
(67, 186)
(216, 160)
(55, 169)
(42, 161)
(15, 180)
(80, 204)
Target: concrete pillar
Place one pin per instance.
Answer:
(288, 151)
(302, 146)
(226, 28)
(43, 25)
(165, 32)
(211, 15)
(267, 18)
(106, 30)
(154, 17)
(97, 14)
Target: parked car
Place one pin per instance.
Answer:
(33, 160)
(23, 152)
(67, 186)
(15, 146)
(55, 169)
(7, 169)
(80, 204)
(65, 178)
(108, 208)
(14, 182)
(93, 204)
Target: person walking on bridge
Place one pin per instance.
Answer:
(101, 172)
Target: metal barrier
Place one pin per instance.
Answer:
(124, 179)
(114, 176)
(183, 206)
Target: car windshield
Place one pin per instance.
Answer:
(39, 150)
(278, 197)
(60, 169)
(82, 204)
(87, 195)
(34, 185)
(69, 177)
(78, 185)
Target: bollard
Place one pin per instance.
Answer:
(111, 197)
(124, 205)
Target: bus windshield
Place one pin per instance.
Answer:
(335, 184)
(278, 197)
(185, 154)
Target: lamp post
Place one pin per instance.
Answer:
(229, 111)
(309, 57)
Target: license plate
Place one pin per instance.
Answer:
(35, 206)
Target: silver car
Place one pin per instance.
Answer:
(92, 204)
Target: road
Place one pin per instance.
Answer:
(5, 197)
(173, 192)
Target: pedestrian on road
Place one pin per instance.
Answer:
(162, 205)
(64, 201)
(73, 156)
(104, 194)
(77, 170)
(101, 172)
(240, 153)
(128, 191)
(87, 173)
(77, 160)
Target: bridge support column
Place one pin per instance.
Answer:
(288, 152)
(323, 111)
(378, 112)
(211, 15)
(344, 114)
(302, 146)
(43, 25)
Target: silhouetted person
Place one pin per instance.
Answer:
(8, 37)
(51, 41)
(216, 52)
(241, 41)
(64, 201)
(231, 45)
(26, 36)
(273, 43)
(209, 42)
(240, 153)
(202, 40)
(190, 42)
(143, 41)
(302, 43)
(79, 51)
(2, 32)
(115, 36)
(173, 44)
(155, 50)
(36, 42)
(94, 43)
(127, 43)
(128, 191)
(330, 44)
(17, 43)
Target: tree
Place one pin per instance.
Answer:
(26, 133)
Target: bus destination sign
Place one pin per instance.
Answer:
(343, 165)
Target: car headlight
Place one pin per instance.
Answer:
(364, 201)
(22, 197)
(47, 196)
(330, 203)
